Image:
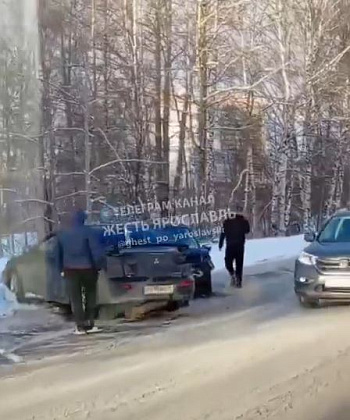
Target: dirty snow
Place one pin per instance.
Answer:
(261, 250)
(8, 302)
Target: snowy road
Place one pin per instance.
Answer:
(36, 332)
(254, 354)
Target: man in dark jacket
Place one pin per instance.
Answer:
(235, 228)
(81, 257)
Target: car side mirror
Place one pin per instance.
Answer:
(309, 236)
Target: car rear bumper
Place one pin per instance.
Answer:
(117, 291)
(310, 284)
(181, 293)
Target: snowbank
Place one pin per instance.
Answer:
(3, 262)
(8, 301)
(262, 250)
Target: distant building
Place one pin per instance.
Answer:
(233, 130)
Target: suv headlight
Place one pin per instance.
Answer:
(307, 259)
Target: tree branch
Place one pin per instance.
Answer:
(238, 185)
(113, 162)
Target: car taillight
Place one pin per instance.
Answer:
(127, 286)
(186, 283)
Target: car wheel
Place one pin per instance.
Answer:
(16, 286)
(172, 306)
(64, 310)
(309, 303)
(185, 304)
(203, 286)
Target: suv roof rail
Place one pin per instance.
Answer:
(343, 210)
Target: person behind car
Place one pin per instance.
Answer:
(234, 231)
(81, 257)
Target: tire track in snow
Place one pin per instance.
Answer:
(11, 357)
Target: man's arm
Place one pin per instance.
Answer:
(222, 238)
(59, 251)
(246, 227)
(97, 251)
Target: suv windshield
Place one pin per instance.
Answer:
(336, 230)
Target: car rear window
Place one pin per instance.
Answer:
(165, 236)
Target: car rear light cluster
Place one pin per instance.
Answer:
(186, 283)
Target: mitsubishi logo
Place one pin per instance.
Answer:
(156, 261)
(344, 264)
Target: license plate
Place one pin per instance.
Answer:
(337, 283)
(159, 290)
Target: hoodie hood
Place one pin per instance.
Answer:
(235, 216)
(239, 216)
(79, 218)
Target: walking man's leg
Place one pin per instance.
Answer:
(229, 260)
(239, 257)
(90, 286)
(229, 257)
(75, 294)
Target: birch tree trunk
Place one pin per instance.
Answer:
(282, 193)
(106, 62)
(46, 106)
(247, 189)
(202, 57)
(340, 184)
(158, 99)
(87, 150)
(66, 59)
(289, 199)
(167, 11)
(178, 181)
(284, 50)
(307, 190)
(275, 197)
(213, 48)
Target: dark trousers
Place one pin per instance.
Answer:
(82, 283)
(235, 254)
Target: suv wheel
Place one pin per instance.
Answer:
(309, 303)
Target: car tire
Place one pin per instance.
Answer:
(309, 303)
(172, 306)
(15, 285)
(203, 286)
(64, 310)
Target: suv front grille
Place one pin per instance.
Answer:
(338, 265)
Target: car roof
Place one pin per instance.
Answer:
(342, 213)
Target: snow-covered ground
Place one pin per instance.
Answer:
(8, 302)
(262, 250)
(257, 251)
(3, 262)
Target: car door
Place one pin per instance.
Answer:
(33, 268)
(56, 284)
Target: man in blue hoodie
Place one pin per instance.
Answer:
(81, 257)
